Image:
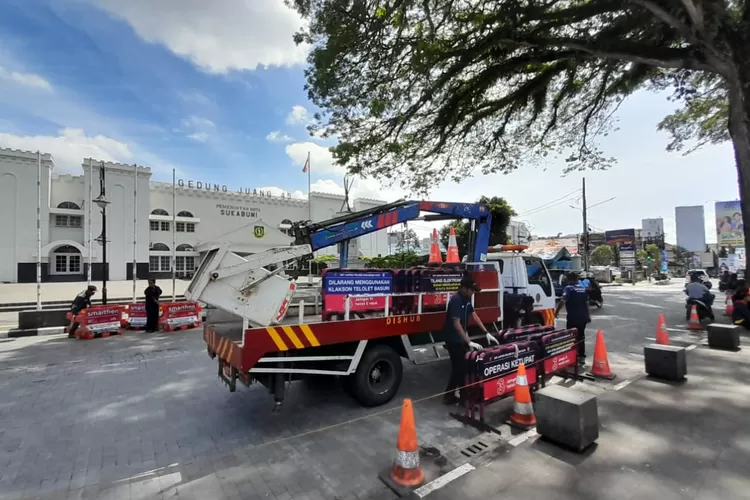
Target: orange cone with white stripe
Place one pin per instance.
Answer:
(452, 257)
(523, 410)
(600, 368)
(406, 470)
(662, 337)
(435, 257)
(728, 306)
(695, 322)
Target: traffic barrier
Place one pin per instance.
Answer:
(520, 333)
(523, 409)
(666, 362)
(600, 366)
(136, 319)
(98, 322)
(662, 337)
(694, 323)
(179, 316)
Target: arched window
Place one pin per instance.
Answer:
(184, 213)
(184, 248)
(159, 247)
(159, 211)
(67, 249)
(69, 205)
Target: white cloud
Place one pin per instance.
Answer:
(216, 36)
(198, 137)
(298, 116)
(277, 136)
(25, 79)
(361, 188)
(70, 148)
(321, 159)
(197, 122)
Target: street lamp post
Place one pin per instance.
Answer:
(101, 202)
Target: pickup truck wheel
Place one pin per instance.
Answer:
(378, 376)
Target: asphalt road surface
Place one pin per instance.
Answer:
(145, 416)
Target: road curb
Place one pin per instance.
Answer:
(14, 333)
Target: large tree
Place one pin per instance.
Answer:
(501, 214)
(419, 90)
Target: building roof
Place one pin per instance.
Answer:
(553, 249)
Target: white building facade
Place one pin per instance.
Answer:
(141, 218)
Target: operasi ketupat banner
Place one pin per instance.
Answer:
(729, 226)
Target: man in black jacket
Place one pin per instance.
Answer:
(152, 294)
(81, 302)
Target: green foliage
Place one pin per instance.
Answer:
(501, 214)
(417, 90)
(325, 258)
(603, 255)
(408, 241)
(401, 260)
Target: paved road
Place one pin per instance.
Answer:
(141, 417)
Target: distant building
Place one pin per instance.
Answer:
(205, 213)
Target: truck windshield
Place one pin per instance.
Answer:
(538, 274)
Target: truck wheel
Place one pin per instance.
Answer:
(378, 376)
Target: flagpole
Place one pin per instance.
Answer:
(135, 229)
(309, 190)
(39, 231)
(174, 223)
(88, 217)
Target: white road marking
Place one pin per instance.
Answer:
(521, 438)
(622, 385)
(443, 480)
(691, 347)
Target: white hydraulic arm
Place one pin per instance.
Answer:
(241, 285)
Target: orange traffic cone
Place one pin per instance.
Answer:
(662, 337)
(406, 470)
(728, 306)
(523, 410)
(695, 322)
(452, 256)
(435, 257)
(600, 367)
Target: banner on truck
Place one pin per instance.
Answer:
(338, 284)
(729, 225)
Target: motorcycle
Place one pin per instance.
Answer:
(595, 297)
(704, 311)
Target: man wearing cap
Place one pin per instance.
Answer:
(457, 339)
(81, 302)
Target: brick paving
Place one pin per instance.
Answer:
(145, 416)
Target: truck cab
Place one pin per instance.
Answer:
(526, 274)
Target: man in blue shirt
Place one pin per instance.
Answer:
(576, 302)
(455, 330)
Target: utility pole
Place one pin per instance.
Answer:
(585, 228)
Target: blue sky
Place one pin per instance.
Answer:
(215, 90)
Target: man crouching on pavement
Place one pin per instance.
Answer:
(457, 339)
(81, 302)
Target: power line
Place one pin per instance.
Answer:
(550, 204)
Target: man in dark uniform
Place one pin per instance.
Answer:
(152, 294)
(457, 339)
(81, 302)
(576, 302)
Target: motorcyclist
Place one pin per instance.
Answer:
(741, 311)
(696, 290)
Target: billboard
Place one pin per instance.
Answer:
(620, 236)
(627, 255)
(652, 228)
(691, 229)
(729, 226)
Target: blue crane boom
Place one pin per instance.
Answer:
(339, 230)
